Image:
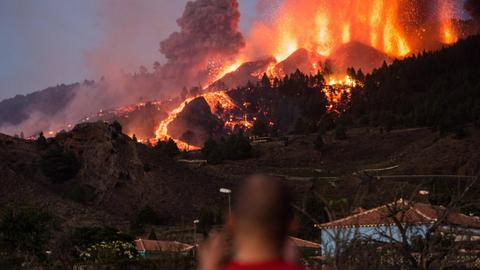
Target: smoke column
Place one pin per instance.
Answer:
(208, 38)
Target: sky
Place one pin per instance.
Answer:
(48, 42)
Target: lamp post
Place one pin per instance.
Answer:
(195, 222)
(228, 192)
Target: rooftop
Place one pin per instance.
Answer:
(405, 212)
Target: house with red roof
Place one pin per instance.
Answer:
(396, 221)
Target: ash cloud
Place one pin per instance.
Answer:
(209, 35)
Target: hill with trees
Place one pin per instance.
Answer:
(439, 89)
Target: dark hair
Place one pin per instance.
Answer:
(264, 203)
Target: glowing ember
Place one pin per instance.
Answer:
(338, 91)
(322, 26)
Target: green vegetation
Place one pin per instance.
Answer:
(235, 147)
(60, 165)
(208, 218)
(117, 126)
(146, 216)
(168, 148)
(284, 101)
(24, 231)
(435, 89)
(83, 237)
(112, 252)
(41, 141)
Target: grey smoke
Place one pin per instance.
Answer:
(209, 32)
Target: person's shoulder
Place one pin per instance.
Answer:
(277, 265)
(293, 267)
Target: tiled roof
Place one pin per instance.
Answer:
(406, 212)
(304, 243)
(161, 246)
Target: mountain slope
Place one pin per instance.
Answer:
(117, 178)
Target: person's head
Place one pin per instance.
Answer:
(263, 211)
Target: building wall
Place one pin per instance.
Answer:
(339, 237)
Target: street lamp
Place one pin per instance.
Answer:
(228, 192)
(195, 222)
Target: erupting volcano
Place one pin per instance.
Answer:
(328, 37)
(394, 27)
(314, 37)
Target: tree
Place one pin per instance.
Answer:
(84, 237)
(218, 108)
(41, 141)
(156, 66)
(24, 231)
(195, 91)
(208, 217)
(60, 165)
(152, 235)
(266, 81)
(168, 148)
(117, 126)
(237, 147)
(184, 93)
(260, 128)
(212, 152)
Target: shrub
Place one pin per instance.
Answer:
(24, 230)
(117, 126)
(235, 147)
(59, 165)
(110, 252)
(212, 152)
(168, 148)
(84, 237)
(260, 128)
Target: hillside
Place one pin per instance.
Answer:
(439, 89)
(117, 178)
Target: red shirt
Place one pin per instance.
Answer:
(272, 265)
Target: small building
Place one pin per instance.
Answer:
(306, 248)
(152, 248)
(382, 224)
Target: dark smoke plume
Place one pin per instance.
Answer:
(208, 36)
(473, 8)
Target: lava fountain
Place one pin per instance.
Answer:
(395, 27)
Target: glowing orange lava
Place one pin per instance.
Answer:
(321, 26)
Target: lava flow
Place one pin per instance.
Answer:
(316, 35)
(218, 100)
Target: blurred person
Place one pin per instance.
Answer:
(258, 227)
